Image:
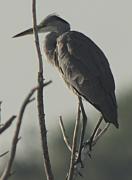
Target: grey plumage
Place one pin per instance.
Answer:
(83, 65)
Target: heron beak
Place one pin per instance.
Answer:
(26, 32)
(30, 31)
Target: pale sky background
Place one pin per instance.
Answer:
(107, 22)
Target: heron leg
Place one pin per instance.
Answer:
(94, 132)
(84, 123)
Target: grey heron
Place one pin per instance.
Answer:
(82, 64)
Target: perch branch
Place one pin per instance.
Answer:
(7, 124)
(74, 145)
(41, 113)
(0, 111)
(3, 154)
(64, 134)
(100, 134)
(86, 151)
(7, 172)
(47, 83)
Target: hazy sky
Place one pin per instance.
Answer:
(107, 22)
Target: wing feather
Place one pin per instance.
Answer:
(84, 49)
(86, 69)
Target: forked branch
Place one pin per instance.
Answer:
(41, 113)
(74, 145)
(86, 151)
(7, 124)
(7, 172)
(65, 137)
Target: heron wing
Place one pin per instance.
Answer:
(87, 70)
(89, 58)
(88, 52)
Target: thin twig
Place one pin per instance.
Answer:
(3, 154)
(0, 111)
(7, 124)
(35, 30)
(47, 83)
(86, 151)
(100, 134)
(41, 114)
(7, 172)
(74, 145)
(64, 134)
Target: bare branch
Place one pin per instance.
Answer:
(43, 131)
(7, 124)
(64, 134)
(35, 30)
(74, 145)
(86, 151)
(100, 134)
(3, 154)
(0, 111)
(7, 172)
(47, 83)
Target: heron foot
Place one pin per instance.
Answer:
(90, 144)
(79, 160)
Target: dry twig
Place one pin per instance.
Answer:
(7, 124)
(86, 151)
(0, 111)
(7, 172)
(3, 154)
(64, 134)
(74, 146)
(100, 134)
(43, 131)
(47, 83)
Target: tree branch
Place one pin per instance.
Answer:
(47, 83)
(7, 172)
(7, 124)
(64, 134)
(74, 145)
(86, 151)
(100, 134)
(3, 154)
(41, 114)
(0, 111)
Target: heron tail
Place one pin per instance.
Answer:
(109, 110)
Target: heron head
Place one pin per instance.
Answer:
(51, 23)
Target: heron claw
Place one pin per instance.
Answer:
(90, 144)
(89, 154)
(79, 160)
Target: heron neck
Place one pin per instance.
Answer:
(62, 28)
(50, 47)
(50, 41)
